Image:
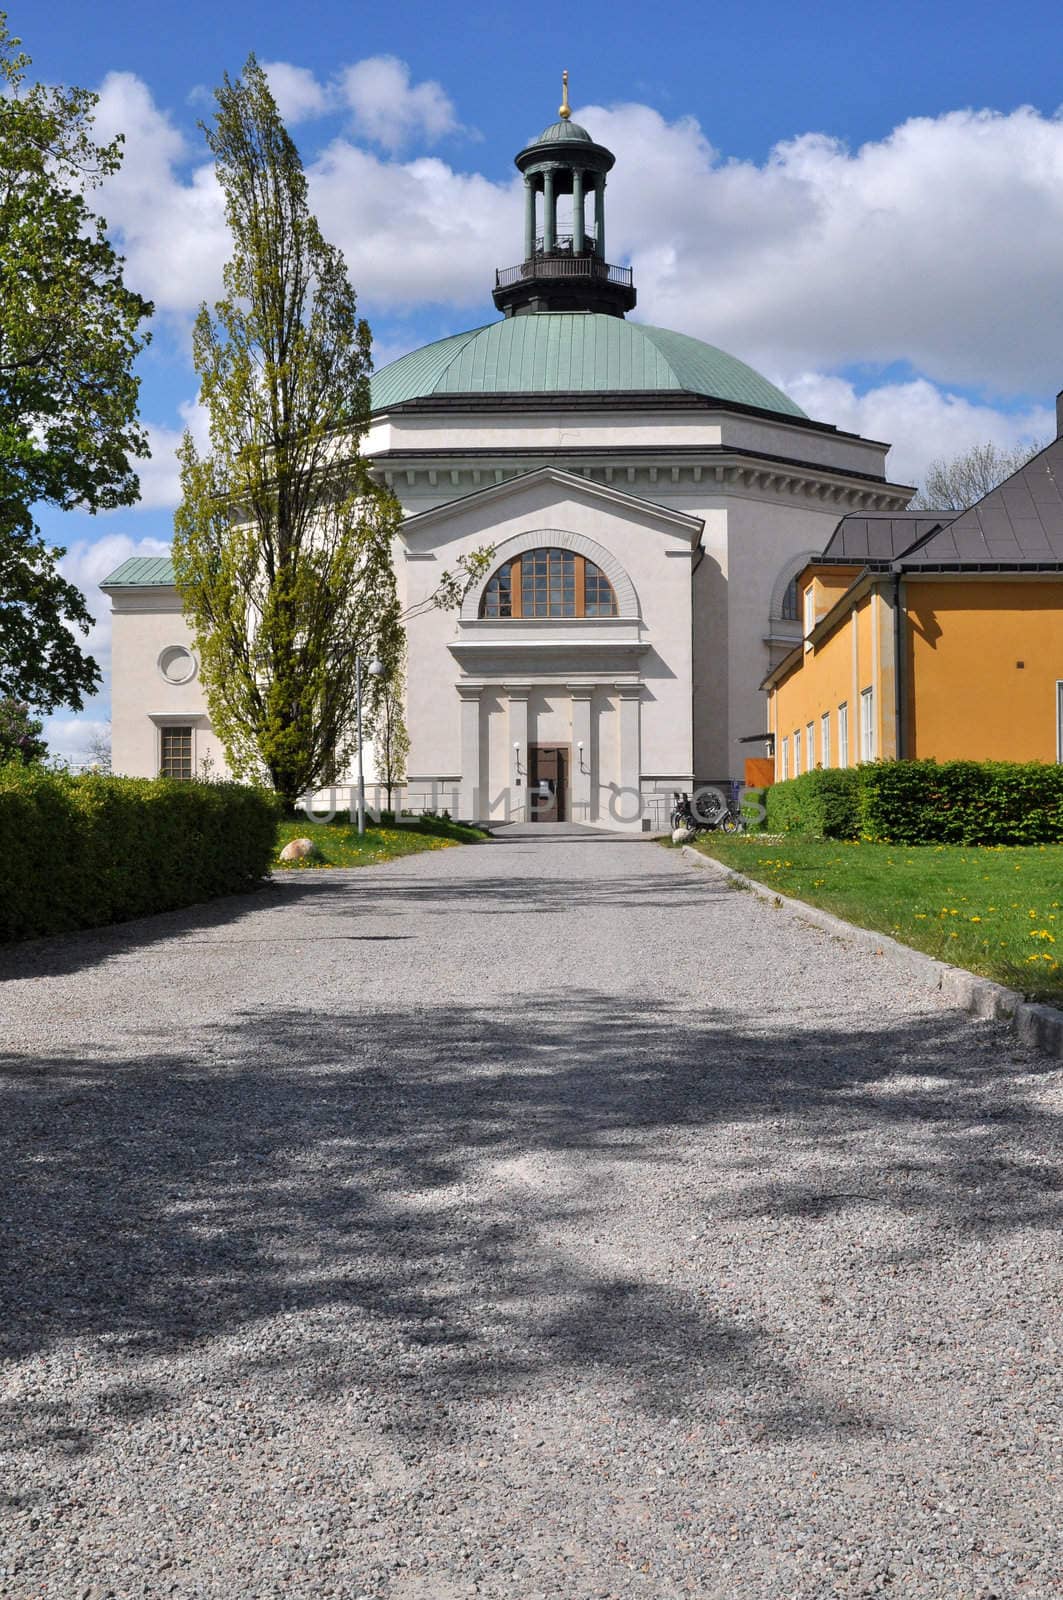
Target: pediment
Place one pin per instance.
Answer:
(535, 493)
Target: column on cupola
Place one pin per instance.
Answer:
(529, 217)
(599, 215)
(549, 213)
(577, 210)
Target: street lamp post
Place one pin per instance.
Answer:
(376, 670)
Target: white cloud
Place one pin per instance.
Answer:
(71, 738)
(171, 229)
(299, 95)
(390, 110)
(941, 245)
(414, 232)
(160, 483)
(924, 423)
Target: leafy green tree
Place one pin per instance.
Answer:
(20, 733)
(283, 540)
(68, 395)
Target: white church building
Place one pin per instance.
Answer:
(649, 500)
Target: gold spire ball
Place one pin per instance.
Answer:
(563, 110)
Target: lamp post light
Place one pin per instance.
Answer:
(375, 669)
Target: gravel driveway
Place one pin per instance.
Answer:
(537, 1219)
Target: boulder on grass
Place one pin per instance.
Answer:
(297, 850)
(682, 835)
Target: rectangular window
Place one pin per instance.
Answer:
(797, 752)
(824, 738)
(843, 734)
(175, 752)
(784, 759)
(867, 725)
(810, 747)
(548, 583)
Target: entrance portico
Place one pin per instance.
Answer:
(556, 648)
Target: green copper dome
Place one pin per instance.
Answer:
(559, 132)
(562, 352)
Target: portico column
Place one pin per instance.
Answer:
(529, 218)
(599, 215)
(577, 211)
(583, 808)
(630, 800)
(549, 214)
(518, 754)
(470, 795)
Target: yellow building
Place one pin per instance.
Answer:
(931, 634)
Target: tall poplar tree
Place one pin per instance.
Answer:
(283, 547)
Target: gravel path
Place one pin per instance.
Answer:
(539, 1219)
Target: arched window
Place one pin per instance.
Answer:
(549, 583)
(789, 603)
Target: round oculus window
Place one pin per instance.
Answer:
(177, 664)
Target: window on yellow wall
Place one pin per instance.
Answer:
(824, 739)
(867, 724)
(797, 752)
(843, 734)
(810, 747)
(784, 758)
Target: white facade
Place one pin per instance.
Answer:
(699, 515)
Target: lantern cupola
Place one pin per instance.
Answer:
(564, 266)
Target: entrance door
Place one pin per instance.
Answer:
(547, 783)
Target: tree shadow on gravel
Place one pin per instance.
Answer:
(349, 893)
(67, 953)
(417, 1194)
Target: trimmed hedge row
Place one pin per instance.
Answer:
(924, 802)
(824, 803)
(82, 850)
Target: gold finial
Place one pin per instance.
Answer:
(563, 110)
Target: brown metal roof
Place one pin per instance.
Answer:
(1018, 524)
(864, 536)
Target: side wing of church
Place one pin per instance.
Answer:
(650, 501)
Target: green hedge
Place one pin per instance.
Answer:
(81, 850)
(962, 802)
(924, 802)
(824, 803)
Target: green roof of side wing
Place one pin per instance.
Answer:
(572, 352)
(141, 572)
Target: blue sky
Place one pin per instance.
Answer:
(867, 203)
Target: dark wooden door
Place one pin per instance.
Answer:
(548, 783)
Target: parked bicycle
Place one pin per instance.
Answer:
(710, 811)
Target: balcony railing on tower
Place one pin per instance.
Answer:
(563, 264)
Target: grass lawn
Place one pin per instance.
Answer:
(997, 911)
(339, 845)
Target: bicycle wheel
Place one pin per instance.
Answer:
(733, 823)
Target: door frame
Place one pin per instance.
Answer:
(566, 755)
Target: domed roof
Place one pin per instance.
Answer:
(562, 352)
(559, 132)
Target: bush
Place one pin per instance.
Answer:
(922, 802)
(81, 850)
(962, 802)
(824, 804)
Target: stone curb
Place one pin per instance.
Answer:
(1040, 1026)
